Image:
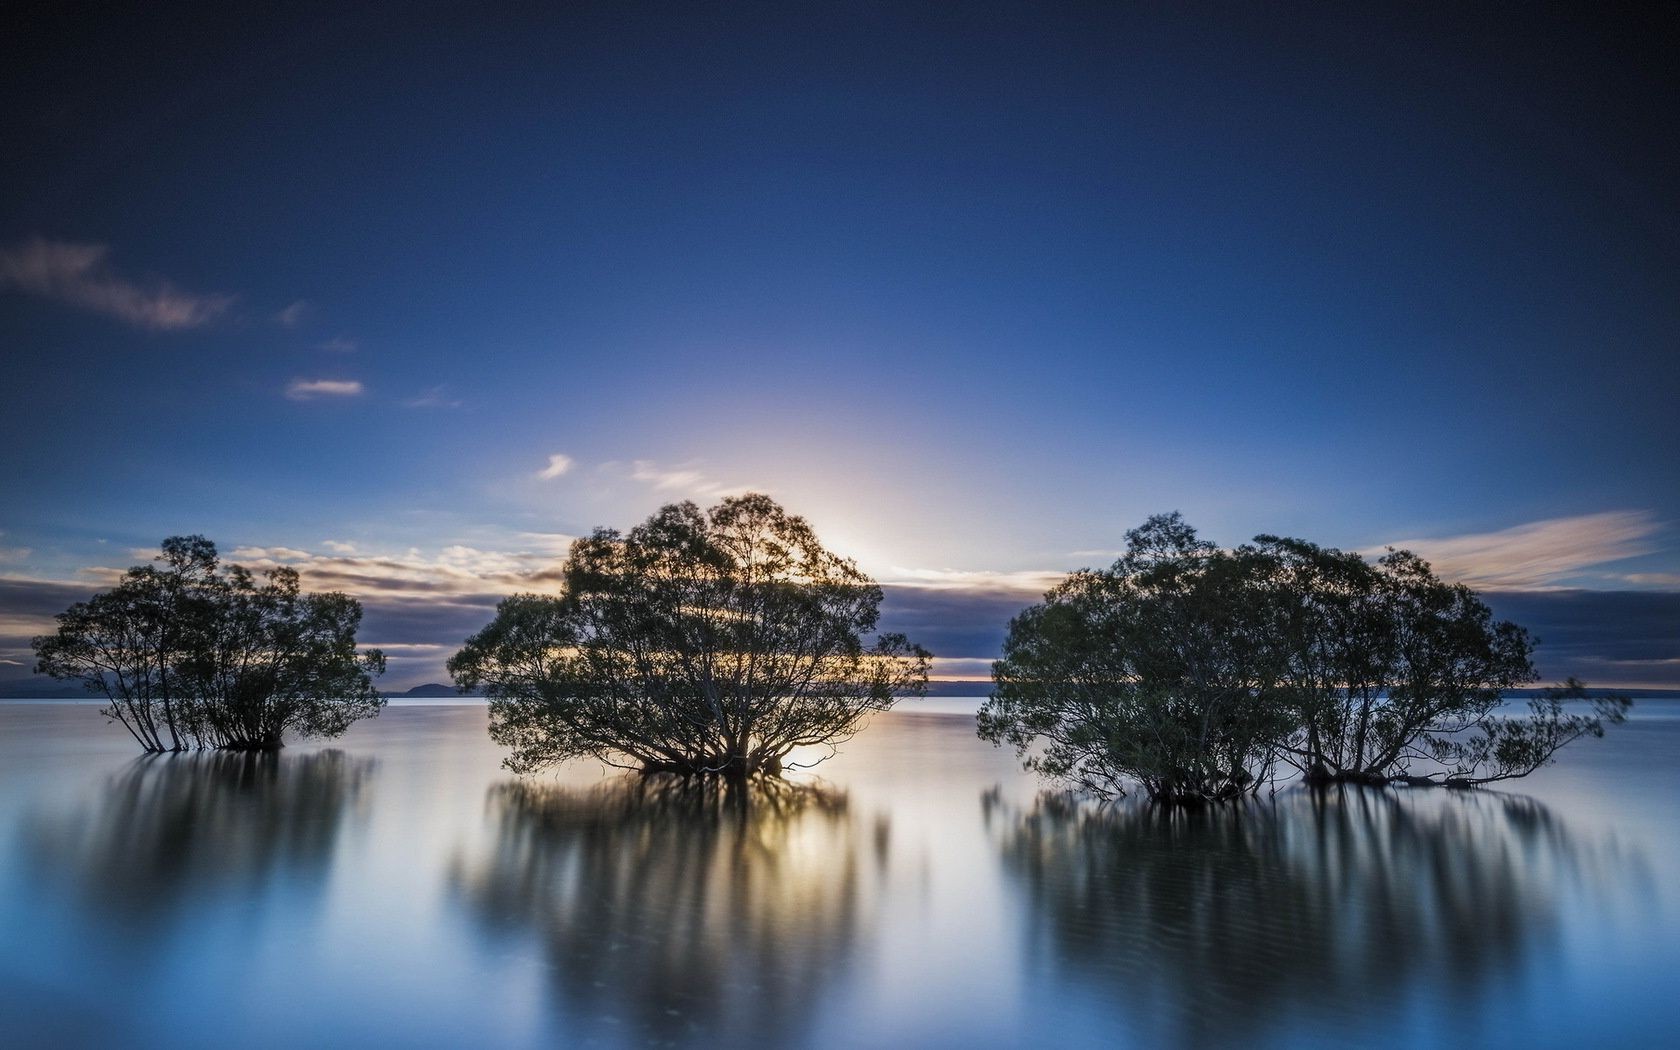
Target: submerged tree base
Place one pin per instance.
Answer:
(724, 768)
(265, 745)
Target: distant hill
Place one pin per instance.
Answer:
(432, 690)
(964, 688)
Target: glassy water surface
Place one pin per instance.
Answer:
(397, 888)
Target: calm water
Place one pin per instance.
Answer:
(398, 888)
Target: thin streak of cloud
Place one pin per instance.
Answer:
(1540, 554)
(683, 479)
(79, 275)
(312, 389)
(1027, 581)
(15, 554)
(338, 344)
(292, 315)
(558, 464)
(1651, 579)
(436, 397)
(457, 571)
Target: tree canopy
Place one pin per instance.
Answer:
(698, 642)
(1195, 672)
(191, 656)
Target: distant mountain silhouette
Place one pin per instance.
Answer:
(431, 689)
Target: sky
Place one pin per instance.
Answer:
(409, 297)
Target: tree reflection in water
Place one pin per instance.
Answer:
(675, 909)
(171, 829)
(1209, 926)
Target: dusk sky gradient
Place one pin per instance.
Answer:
(409, 296)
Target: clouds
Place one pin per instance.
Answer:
(79, 275)
(1027, 583)
(290, 316)
(1609, 638)
(421, 605)
(436, 397)
(682, 479)
(558, 464)
(314, 389)
(1540, 554)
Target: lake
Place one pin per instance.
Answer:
(397, 888)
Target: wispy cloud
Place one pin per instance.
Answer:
(1651, 579)
(292, 315)
(79, 274)
(558, 464)
(13, 554)
(680, 479)
(1032, 582)
(456, 571)
(338, 344)
(312, 389)
(436, 397)
(553, 543)
(1541, 554)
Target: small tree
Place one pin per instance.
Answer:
(1396, 675)
(711, 642)
(189, 656)
(273, 658)
(128, 643)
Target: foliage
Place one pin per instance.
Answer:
(189, 656)
(1190, 671)
(713, 642)
(1161, 670)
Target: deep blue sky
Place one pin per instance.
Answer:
(974, 288)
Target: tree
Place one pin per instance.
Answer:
(273, 658)
(189, 656)
(1163, 670)
(1398, 675)
(1190, 670)
(709, 643)
(1504, 748)
(128, 642)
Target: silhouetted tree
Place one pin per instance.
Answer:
(189, 656)
(1190, 670)
(1162, 670)
(272, 658)
(128, 642)
(1395, 674)
(711, 642)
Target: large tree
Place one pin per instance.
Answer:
(1162, 670)
(1190, 670)
(191, 656)
(709, 642)
(1397, 675)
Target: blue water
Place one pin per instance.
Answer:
(396, 888)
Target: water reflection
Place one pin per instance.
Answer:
(1209, 927)
(171, 830)
(675, 911)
